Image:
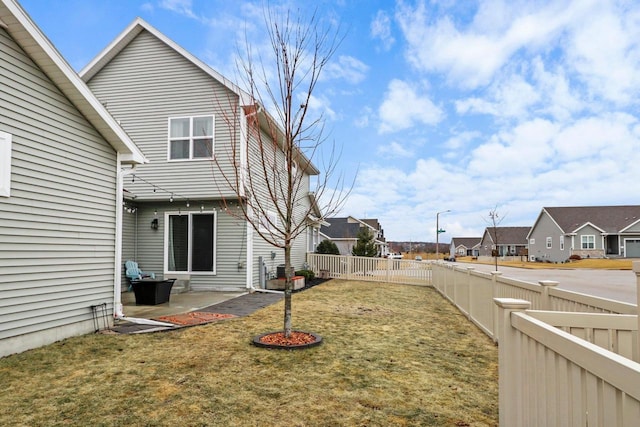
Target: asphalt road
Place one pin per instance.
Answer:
(619, 285)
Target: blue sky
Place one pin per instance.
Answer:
(452, 105)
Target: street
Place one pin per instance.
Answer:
(619, 285)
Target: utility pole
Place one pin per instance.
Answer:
(438, 231)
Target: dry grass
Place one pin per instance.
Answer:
(392, 355)
(593, 263)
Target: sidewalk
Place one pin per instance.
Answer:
(240, 306)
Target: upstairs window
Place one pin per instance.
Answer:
(191, 138)
(549, 242)
(588, 242)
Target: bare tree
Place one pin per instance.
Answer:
(273, 159)
(495, 219)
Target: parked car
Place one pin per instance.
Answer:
(418, 258)
(450, 258)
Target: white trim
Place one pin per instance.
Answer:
(165, 245)
(27, 34)
(582, 242)
(5, 164)
(117, 269)
(191, 137)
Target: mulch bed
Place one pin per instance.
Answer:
(194, 318)
(310, 284)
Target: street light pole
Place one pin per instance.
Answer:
(438, 231)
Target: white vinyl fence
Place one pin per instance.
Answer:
(549, 377)
(473, 293)
(571, 361)
(371, 269)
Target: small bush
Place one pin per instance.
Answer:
(327, 247)
(575, 257)
(307, 274)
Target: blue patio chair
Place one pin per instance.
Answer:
(133, 272)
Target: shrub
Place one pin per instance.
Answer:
(575, 257)
(327, 247)
(307, 274)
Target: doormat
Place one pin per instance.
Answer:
(194, 318)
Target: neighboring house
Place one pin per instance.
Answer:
(61, 156)
(464, 246)
(587, 231)
(192, 123)
(381, 242)
(343, 231)
(507, 241)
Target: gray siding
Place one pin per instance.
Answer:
(545, 227)
(142, 87)
(231, 246)
(57, 231)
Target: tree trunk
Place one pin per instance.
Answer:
(288, 288)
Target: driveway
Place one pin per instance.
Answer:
(619, 285)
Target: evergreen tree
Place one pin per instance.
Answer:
(327, 247)
(366, 245)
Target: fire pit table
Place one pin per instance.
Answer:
(152, 291)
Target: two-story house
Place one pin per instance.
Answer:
(343, 231)
(198, 131)
(586, 231)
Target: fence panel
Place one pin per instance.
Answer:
(371, 269)
(550, 377)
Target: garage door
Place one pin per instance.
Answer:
(632, 248)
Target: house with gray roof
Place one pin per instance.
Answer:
(464, 246)
(587, 231)
(343, 231)
(507, 241)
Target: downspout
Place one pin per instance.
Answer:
(117, 282)
(117, 276)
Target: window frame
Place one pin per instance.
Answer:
(190, 215)
(5, 164)
(191, 137)
(549, 243)
(584, 241)
(265, 226)
(562, 243)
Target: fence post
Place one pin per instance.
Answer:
(469, 296)
(545, 302)
(636, 269)
(509, 362)
(494, 292)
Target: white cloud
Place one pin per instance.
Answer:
(404, 107)
(604, 50)
(394, 150)
(346, 68)
(471, 55)
(182, 7)
(381, 29)
(321, 105)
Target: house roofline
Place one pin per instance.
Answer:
(245, 99)
(26, 33)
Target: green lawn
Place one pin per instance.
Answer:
(392, 355)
